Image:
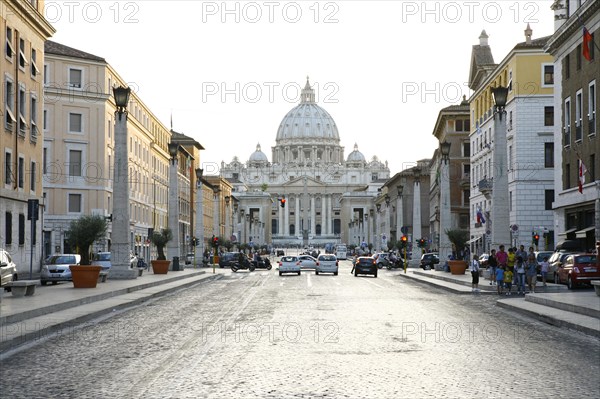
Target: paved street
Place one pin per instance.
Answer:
(257, 334)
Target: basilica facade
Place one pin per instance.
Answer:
(309, 193)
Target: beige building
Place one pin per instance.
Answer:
(24, 30)
(79, 151)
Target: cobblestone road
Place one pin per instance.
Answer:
(258, 335)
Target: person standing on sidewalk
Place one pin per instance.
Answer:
(531, 273)
(520, 273)
(508, 278)
(545, 267)
(501, 256)
(492, 265)
(499, 279)
(474, 268)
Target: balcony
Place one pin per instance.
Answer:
(485, 187)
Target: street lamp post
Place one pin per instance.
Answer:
(199, 216)
(445, 248)
(173, 247)
(120, 240)
(399, 210)
(500, 213)
(377, 234)
(225, 222)
(415, 257)
(386, 223)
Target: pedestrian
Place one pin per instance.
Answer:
(520, 273)
(511, 258)
(521, 252)
(499, 277)
(492, 265)
(508, 278)
(531, 273)
(474, 268)
(501, 256)
(545, 267)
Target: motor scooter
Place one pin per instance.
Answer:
(395, 264)
(263, 263)
(244, 265)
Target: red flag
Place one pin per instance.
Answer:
(581, 173)
(587, 40)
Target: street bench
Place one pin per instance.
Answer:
(102, 277)
(23, 288)
(596, 284)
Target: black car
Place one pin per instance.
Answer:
(226, 259)
(365, 265)
(429, 260)
(280, 252)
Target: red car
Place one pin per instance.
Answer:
(578, 269)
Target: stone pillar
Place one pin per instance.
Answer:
(297, 216)
(173, 247)
(500, 213)
(445, 248)
(399, 216)
(199, 249)
(313, 216)
(416, 252)
(280, 231)
(286, 219)
(120, 238)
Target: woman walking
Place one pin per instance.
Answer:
(474, 268)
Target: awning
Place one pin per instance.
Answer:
(471, 241)
(568, 231)
(582, 233)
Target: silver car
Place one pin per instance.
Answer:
(56, 268)
(289, 264)
(327, 264)
(8, 269)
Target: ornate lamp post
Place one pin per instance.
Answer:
(199, 249)
(173, 245)
(399, 210)
(247, 228)
(366, 228)
(500, 214)
(216, 213)
(386, 223)
(416, 256)
(445, 248)
(120, 238)
(377, 234)
(227, 233)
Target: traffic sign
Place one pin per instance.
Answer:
(404, 229)
(515, 227)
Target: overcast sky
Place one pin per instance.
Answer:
(229, 74)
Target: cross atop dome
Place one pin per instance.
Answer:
(308, 94)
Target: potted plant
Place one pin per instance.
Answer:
(459, 239)
(82, 234)
(160, 265)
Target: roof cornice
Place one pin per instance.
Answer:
(571, 26)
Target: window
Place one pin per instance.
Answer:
(45, 161)
(466, 195)
(592, 108)
(34, 69)
(74, 163)
(21, 229)
(510, 201)
(466, 150)
(75, 78)
(548, 116)
(8, 168)
(459, 125)
(549, 155)
(510, 82)
(510, 120)
(22, 105)
(567, 66)
(567, 123)
(567, 176)
(33, 114)
(10, 50)
(75, 122)
(45, 120)
(22, 59)
(592, 47)
(32, 177)
(466, 170)
(9, 98)
(74, 205)
(45, 77)
(578, 57)
(578, 109)
(548, 199)
(21, 172)
(8, 228)
(548, 75)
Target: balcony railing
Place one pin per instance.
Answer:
(485, 187)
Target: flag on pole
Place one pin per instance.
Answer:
(582, 170)
(587, 41)
(480, 218)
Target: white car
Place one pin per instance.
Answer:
(57, 268)
(8, 269)
(327, 264)
(307, 262)
(289, 264)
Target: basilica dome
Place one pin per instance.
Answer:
(356, 156)
(258, 156)
(308, 121)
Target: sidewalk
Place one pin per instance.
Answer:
(555, 304)
(58, 307)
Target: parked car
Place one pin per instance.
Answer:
(307, 262)
(8, 269)
(227, 258)
(429, 260)
(556, 260)
(365, 265)
(484, 260)
(57, 269)
(577, 269)
(189, 258)
(381, 259)
(327, 264)
(289, 264)
(280, 252)
(102, 259)
(540, 255)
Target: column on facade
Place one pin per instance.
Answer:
(286, 219)
(280, 231)
(327, 213)
(313, 216)
(297, 216)
(366, 225)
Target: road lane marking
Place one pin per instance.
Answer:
(370, 282)
(308, 280)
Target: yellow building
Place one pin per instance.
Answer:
(24, 30)
(79, 150)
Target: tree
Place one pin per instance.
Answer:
(264, 187)
(458, 238)
(84, 231)
(160, 239)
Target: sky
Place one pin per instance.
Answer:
(228, 72)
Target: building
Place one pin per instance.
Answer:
(323, 192)
(79, 149)
(24, 30)
(576, 125)
(527, 71)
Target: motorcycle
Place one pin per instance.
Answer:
(395, 264)
(245, 265)
(263, 263)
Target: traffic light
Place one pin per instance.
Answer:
(282, 202)
(403, 241)
(215, 242)
(421, 243)
(536, 238)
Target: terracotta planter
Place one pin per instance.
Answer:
(85, 276)
(457, 266)
(160, 266)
